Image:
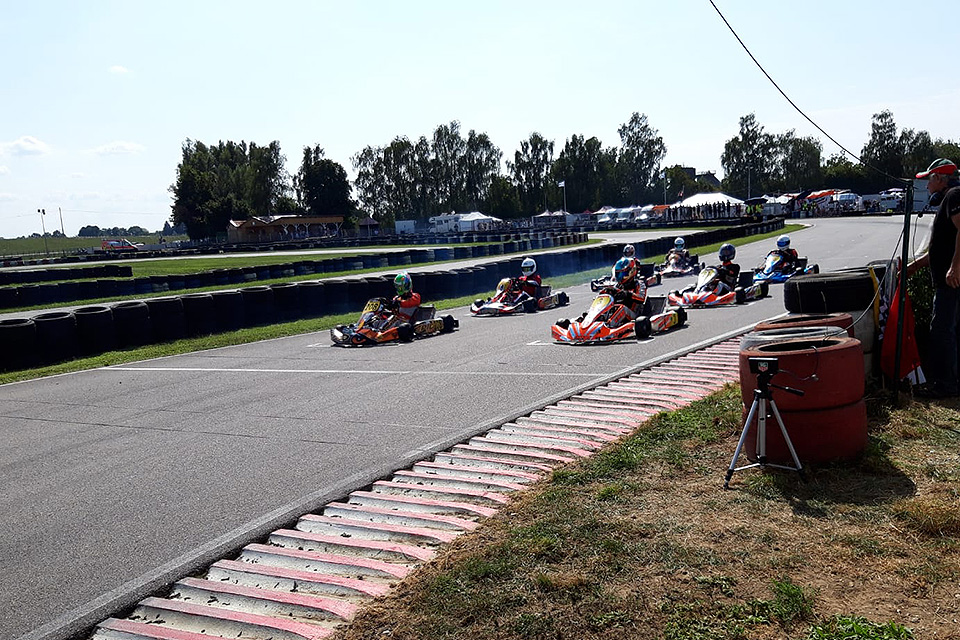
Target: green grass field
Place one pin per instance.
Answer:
(59, 246)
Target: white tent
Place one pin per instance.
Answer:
(708, 199)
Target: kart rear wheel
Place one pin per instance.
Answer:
(563, 298)
(405, 332)
(642, 328)
(563, 323)
(448, 323)
(530, 306)
(764, 290)
(741, 296)
(681, 316)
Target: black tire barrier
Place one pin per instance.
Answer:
(124, 287)
(829, 292)
(336, 292)
(49, 292)
(352, 264)
(303, 268)
(286, 300)
(220, 277)
(398, 259)
(166, 316)
(465, 282)
(287, 270)
(333, 265)
(176, 283)
(159, 284)
(443, 254)
(193, 281)
(142, 286)
(132, 323)
(9, 298)
(56, 336)
(95, 330)
(228, 310)
(258, 305)
(828, 370)
(89, 289)
(18, 343)
(357, 293)
(511, 247)
(462, 253)
(29, 295)
(199, 314)
(380, 287)
(262, 272)
(495, 249)
(107, 288)
(481, 251)
(312, 298)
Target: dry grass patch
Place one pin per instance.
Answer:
(641, 541)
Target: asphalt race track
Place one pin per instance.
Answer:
(117, 477)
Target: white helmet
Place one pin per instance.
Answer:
(679, 244)
(783, 242)
(528, 267)
(629, 250)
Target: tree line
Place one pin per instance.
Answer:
(452, 171)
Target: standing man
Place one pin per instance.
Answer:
(943, 258)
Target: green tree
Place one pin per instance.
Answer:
(265, 178)
(323, 188)
(796, 163)
(481, 165)
(503, 200)
(641, 152)
(747, 159)
(884, 150)
(839, 172)
(588, 171)
(531, 172)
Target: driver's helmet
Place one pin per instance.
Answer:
(528, 267)
(783, 242)
(727, 252)
(625, 271)
(629, 250)
(678, 244)
(403, 283)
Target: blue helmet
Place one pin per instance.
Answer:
(679, 244)
(783, 242)
(625, 270)
(727, 252)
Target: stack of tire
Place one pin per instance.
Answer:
(853, 291)
(829, 421)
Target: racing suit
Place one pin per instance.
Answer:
(728, 275)
(631, 295)
(530, 285)
(405, 306)
(790, 259)
(683, 257)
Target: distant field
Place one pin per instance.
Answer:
(57, 246)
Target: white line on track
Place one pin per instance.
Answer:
(357, 371)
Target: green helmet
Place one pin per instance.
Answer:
(403, 283)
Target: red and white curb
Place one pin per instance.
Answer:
(303, 583)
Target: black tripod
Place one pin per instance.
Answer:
(765, 368)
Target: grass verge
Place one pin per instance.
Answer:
(641, 541)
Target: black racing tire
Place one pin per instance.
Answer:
(681, 316)
(95, 331)
(56, 336)
(405, 332)
(530, 305)
(166, 314)
(449, 323)
(741, 296)
(18, 343)
(764, 290)
(850, 290)
(563, 299)
(642, 327)
(132, 323)
(563, 323)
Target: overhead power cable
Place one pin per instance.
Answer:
(794, 105)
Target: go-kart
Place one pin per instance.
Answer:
(645, 271)
(710, 292)
(773, 270)
(378, 324)
(608, 321)
(510, 298)
(675, 267)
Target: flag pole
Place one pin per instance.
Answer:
(564, 196)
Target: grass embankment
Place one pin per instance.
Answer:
(641, 541)
(61, 245)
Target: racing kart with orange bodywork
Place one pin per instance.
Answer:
(676, 267)
(645, 271)
(710, 292)
(608, 321)
(378, 323)
(510, 298)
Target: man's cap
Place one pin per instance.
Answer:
(940, 165)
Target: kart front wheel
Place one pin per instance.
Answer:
(405, 332)
(563, 323)
(448, 323)
(563, 298)
(642, 328)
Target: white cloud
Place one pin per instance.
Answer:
(118, 147)
(25, 146)
(119, 70)
(7, 197)
(78, 174)
(4, 170)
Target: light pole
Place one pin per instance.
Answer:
(43, 226)
(64, 233)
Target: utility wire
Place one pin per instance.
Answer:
(793, 104)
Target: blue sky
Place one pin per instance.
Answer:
(100, 96)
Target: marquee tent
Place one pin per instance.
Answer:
(708, 199)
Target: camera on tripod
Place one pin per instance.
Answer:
(769, 366)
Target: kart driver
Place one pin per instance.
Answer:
(678, 253)
(630, 291)
(728, 272)
(788, 255)
(529, 281)
(406, 302)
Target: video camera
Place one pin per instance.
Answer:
(768, 366)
